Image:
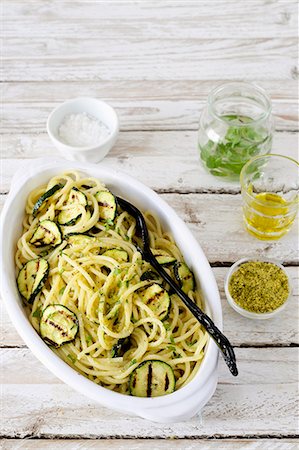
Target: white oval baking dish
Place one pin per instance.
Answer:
(178, 406)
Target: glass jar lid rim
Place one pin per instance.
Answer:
(239, 85)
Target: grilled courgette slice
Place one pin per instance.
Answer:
(157, 299)
(150, 275)
(120, 348)
(118, 254)
(152, 379)
(184, 276)
(79, 239)
(165, 260)
(75, 200)
(47, 233)
(32, 277)
(107, 205)
(58, 325)
(40, 203)
(77, 197)
(69, 216)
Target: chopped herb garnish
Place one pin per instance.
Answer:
(72, 358)
(171, 347)
(116, 271)
(132, 362)
(109, 222)
(88, 340)
(166, 325)
(37, 313)
(62, 290)
(171, 338)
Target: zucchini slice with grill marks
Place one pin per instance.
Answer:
(107, 205)
(47, 233)
(150, 275)
(165, 260)
(40, 203)
(58, 325)
(79, 239)
(184, 276)
(77, 197)
(152, 379)
(32, 277)
(120, 348)
(69, 216)
(118, 254)
(157, 299)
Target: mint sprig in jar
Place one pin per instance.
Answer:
(235, 126)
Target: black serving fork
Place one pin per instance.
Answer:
(222, 341)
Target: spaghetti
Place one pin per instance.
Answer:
(124, 313)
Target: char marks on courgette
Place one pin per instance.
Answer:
(107, 205)
(73, 211)
(152, 378)
(184, 277)
(47, 233)
(58, 325)
(118, 254)
(79, 239)
(157, 299)
(120, 348)
(32, 278)
(40, 203)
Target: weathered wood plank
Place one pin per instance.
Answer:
(263, 396)
(58, 91)
(241, 331)
(105, 59)
(152, 444)
(136, 114)
(176, 19)
(173, 156)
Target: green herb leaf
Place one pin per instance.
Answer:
(132, 362)
(37, 313)
(72, 358)
(62, 290)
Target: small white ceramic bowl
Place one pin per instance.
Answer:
(93, 107)
(245, 312)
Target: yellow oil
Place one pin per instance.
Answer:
(268, 215)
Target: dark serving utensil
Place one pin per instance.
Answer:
(222, 341)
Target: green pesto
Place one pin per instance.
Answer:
(259, 287)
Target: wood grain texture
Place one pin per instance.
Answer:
(134, 114)
(153, 444)
(173, 20)
(54, 59)
(241, 331)
(172, 156)
(36, 404)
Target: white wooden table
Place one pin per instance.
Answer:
(155, 62)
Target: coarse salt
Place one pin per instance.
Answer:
(82, 130)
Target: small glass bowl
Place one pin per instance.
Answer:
(245, 312)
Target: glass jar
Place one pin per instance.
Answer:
(270, 194)
(235, 126)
